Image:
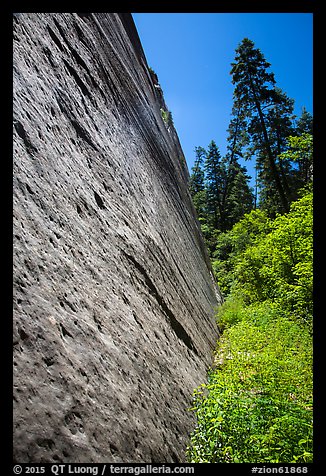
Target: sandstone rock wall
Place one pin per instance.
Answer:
(113, 297)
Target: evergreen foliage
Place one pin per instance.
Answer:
(220, 192)
(268, 114)
(257, 404)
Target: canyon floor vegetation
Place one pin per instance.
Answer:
(257, 404)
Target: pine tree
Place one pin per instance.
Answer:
(237, 196)
(197, 178)
(262, 104)
(305, 123)
(221, 192)
(240, 198)
(215, 174)
(197, 185)
(279, 123)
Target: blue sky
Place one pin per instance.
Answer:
(192, 54)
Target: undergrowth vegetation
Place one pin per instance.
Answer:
(257, 404)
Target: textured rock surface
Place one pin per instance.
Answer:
(113, 299)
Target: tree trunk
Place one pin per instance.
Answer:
(271, 159)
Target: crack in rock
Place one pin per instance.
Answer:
(177, 327)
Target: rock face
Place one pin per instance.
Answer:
(113, 296)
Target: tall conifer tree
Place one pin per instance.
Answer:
(215, 174)
(261, 103)
(197, 186)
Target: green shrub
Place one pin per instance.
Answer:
(230, 313)
(279, 265)
(167, 117)
(262, 259)
(232, 244)
(257, 404)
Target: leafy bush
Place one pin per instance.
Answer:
(270, 259)
(230, 245)
(278, 266)
(257, 404)
(167, 117)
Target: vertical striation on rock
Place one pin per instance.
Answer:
(113, 296)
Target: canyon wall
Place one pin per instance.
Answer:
(113, 294)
